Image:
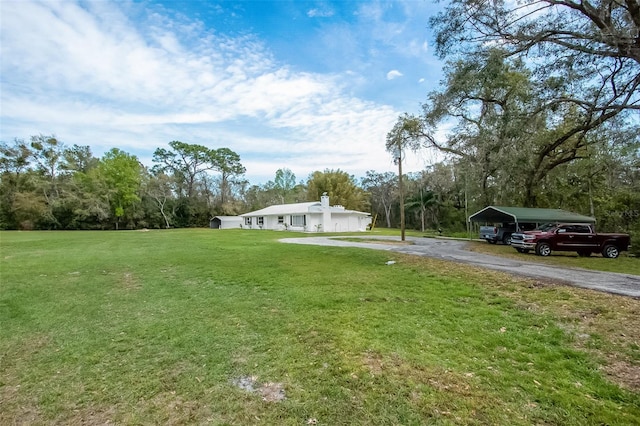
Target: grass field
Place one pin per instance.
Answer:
(233, 327)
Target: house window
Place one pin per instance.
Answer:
(247, 221)
(298, 220)
(280, 220)
(260, 220)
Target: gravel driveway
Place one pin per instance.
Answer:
(454, 250)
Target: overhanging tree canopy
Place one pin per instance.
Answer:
(527, 215)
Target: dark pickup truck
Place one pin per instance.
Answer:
(578, 237)
(502, 232)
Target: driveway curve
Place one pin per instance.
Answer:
(454, 250)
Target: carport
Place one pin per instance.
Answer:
(497, 214)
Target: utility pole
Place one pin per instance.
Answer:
(466, 206)
(400, 188)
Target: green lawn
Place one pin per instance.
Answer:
(232, 327)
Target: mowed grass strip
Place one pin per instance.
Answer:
(233, 327)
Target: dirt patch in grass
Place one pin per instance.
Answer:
(437, 378)
(270, 391)
(129, 281)
(374, 363)
(19, 415)
(623, 373)
(176, 410)
(89, 416)
(167, 408)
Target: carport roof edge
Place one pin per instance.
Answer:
(525, 214)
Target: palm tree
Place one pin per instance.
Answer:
(423, 201)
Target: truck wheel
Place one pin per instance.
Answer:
(584, 253)
(506, 240)
(610, 251)
(543, 249)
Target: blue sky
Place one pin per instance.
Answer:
(285, 84)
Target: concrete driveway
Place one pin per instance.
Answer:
(454, 250)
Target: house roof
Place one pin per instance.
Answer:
(300, 208)
(282, 209)
(349, 212)
(233, 218)
(523, 214)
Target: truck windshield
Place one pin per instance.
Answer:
(545, 226)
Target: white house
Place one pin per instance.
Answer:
(311, 217)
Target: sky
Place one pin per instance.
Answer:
(302, 85)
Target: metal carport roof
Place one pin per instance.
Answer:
(527, 215)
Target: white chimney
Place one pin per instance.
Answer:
(326, 212)
(324, 200)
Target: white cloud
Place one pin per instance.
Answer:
(397, 30)
(107, 74)
(320, 13)
(393, 74)
(417, 48)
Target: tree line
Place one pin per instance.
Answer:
(46, 185)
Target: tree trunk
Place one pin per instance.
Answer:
(164, 216)
(387, 213)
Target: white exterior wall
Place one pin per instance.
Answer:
(319, 217)
(271, 222)
(316, 222)
(348, 223)
(230, 224)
